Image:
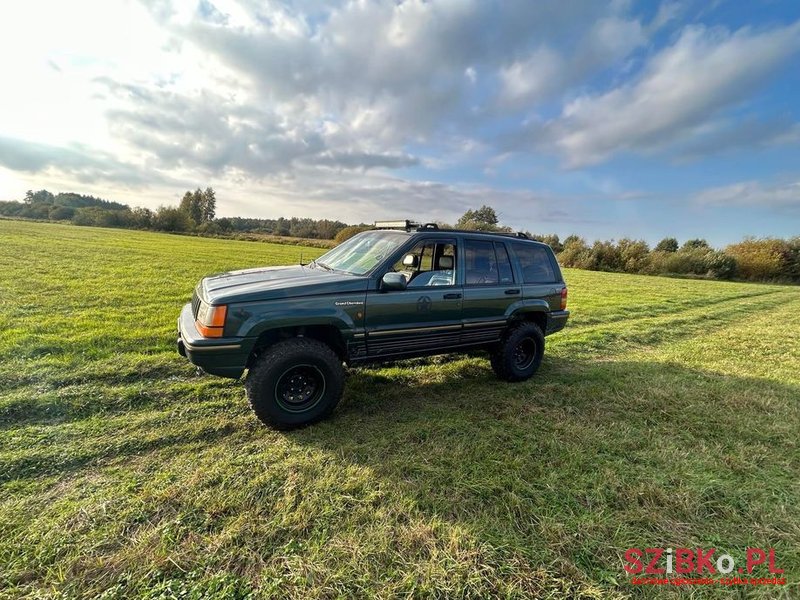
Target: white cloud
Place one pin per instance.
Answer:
(668, 11)
(752, 193)
(544, 73)
(308, 108)
(683, 86)
(532, 78)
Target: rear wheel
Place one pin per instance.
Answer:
(294, 383)
(519, 354)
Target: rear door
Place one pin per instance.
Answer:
(489, 289)
(541, 277)
(427, 314)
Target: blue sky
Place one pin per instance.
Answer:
(618, 119)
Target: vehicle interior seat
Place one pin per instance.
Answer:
(442, 275)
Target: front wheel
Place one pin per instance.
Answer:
(294, 383)
(519, 354)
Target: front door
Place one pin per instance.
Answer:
(426, 316)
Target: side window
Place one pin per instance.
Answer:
(429, 263)
(503, 263)
(535, 263)
(481, 267)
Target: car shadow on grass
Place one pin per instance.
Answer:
(588, 459)
(51, 460)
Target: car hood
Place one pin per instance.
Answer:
(267, 283)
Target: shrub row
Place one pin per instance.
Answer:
(770, 259)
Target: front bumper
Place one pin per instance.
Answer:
(226, 357)
(556, 321)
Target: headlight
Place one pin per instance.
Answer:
(211, 319)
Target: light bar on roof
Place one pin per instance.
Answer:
(405, 224)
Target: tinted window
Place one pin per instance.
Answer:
(481, 267)
(503, 264)
(535, 263)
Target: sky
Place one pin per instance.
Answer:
(606, 119)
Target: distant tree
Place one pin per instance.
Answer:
(208, 207)
(40, 197)
(669, 244)
(192, 205)
(169, 218)
(605, 256)
(225, 224)
(549, 239)
(696, 243)
(302, 228)
(142, 218)
(327, 230)
(81, 201)
(762, 259)
(481, 219)
(102, 217)
(792, 259)
(720, 265)
(186, 202)
(282, 226)
(196, 206)
(348, 232)
(61, 213)
(634, 255)
(575, 253)
(208, 228)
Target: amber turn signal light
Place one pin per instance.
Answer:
(211, 320)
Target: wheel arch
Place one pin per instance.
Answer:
(327, 333)
(531, 313)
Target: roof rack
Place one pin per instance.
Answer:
(408, 225)
(517, 234)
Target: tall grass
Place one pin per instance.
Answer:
(665, 415)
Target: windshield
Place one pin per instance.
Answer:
(362, 252)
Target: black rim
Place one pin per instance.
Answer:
(299, 388)
(524, 353)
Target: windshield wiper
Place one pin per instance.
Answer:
(323, 265)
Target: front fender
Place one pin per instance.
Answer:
(344, 313)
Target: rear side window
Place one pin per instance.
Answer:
(535, 263)
(487, 263)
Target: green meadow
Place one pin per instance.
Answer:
(666, 414)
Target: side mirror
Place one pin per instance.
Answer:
(393, 281)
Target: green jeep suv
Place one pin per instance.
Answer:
(384, 294)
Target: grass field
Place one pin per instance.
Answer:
(666, 414)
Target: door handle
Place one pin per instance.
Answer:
(512, 292)
(452, 296)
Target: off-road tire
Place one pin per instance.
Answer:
(273, 391)
(505, 358)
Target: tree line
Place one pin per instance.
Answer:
(196, 213)
(770, 259)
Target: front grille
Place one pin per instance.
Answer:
(195, 303)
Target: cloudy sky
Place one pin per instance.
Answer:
(614, 119)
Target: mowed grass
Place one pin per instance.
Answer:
(665, 415)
